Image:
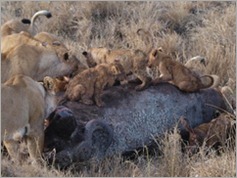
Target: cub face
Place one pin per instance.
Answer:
(89, 60)
(55, 84)
(96, 54)
(155, 56)
(118, 70)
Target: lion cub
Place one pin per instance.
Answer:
(56, 85)
(176, 73)
(91, 82)
(133, 61)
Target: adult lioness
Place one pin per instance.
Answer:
(25, 104)
(10, 42)
(176, 73)
(37, 60)
(52, 39)
(133, 61)
(16, 26)
(16, 32)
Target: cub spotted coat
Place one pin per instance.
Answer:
(176, 73)
(133, 61)
(89, 85)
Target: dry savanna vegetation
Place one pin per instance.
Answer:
(183, 30)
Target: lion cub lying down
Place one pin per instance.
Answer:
(176, 73)
(25, 105)
(91, 82)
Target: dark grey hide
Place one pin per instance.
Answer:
(131, 119)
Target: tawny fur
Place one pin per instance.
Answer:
(37, 59)
(229, 96)
(17, 32)
(89, 85)
(212, 133)
(197, 64)
(27, 25)
(176, 73)
(25, 104)
(56, 85)
(133, 61)
(12, 41)
(48, 38)
(153, 71)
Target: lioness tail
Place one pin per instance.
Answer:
(35, 16)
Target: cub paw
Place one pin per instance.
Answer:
(140, 88)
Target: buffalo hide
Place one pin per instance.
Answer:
(131, 119)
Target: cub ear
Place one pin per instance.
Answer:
(114, 70)
(154, 52)
(160, 49)
(84, 53)
(66, 78)
(48, 83)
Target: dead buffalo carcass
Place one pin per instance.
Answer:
(131, 119)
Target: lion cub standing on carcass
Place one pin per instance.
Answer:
(133, 61)
(91, 82)
(25, 105)
(176, 73)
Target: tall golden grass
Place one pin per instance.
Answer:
(184, 29)
(170, 161)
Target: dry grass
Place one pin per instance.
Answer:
(183, 29)
(170, 161)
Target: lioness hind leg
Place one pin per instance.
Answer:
(12, 147)
(35, 146)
